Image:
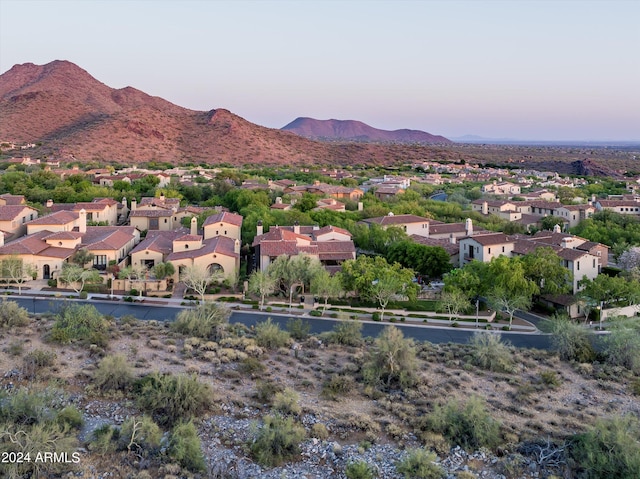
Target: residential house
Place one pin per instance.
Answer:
(411, 224)
(13, 219)
(223, 224)
(503, 188)
(332, 246)
(100, 210)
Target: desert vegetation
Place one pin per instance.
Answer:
(183, 387)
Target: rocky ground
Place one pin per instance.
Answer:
(375, 428)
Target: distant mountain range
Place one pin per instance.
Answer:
(358, 131)
(71, 115)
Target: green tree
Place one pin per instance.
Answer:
(544, 267)
(163, 270)
(17, 271)
(454, 302)
(509, 302)
(198, 279)
(325, 286)
(294, 271)
(82, 256)
(392, 360)
(262, 284)
(76, 276)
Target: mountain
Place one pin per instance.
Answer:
(357, 131)
(71, 115)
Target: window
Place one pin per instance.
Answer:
(594, 262)
(100, 260)
(489, 250)
(165, 221)
(503, 249)
(578, 265)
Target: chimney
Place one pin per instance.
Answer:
(452, 239)
(360, 206)
(278, 200)
(49, 203)
(593, 199)
(565, 242)
(194, 226)
(296, 228)
(82, 221)
(468, 227)
(316, 227)
(485, 208)
(124, 203)
(426, 230)
(134, 204)
(236, 247)
(162, 197)
(259, 229)
(556, 229)
(1, 238)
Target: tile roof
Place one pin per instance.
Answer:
(162, 213)
(107, 237)
(391, 220)
(218, 245)
(12, 200)
(159, 241)
(491, 239)
(57, 218)
(10, 212)
(224, 217)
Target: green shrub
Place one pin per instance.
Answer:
(252, 366)
(468, 424)
(287, 402)
(52, 283)
(635, 387)
(610, 449)
(83, 295)
(359, 470)
(338, 386)
(315, 313)
(12, 315)
(392, 361)
(551, 378)
(376, 316)
(348, 333)
(277, 441)
(207, 321)
(420, 464)
(173, 398)
(104, 439)
(266, 390)
(570, 340)
(140, 435)
(80, 323)
(70, 416)
(622, 346)
(113, 373)
(319, 431)
(269, 335)
(36, 360)
(184, 447)
(298, 328)
(489, 352)
(134, 292)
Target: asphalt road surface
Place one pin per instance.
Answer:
(419, 332)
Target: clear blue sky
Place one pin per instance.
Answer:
(548, 70)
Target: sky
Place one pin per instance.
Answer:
(529, 70)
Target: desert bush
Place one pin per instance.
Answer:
(359, 470)
(466, 424)
(12, 314)
(298, 328)
(287, 402)
(276, 441)
(172, 398)
(270, 336)
(570, 340)
(635, 387)
(140, 435)
(113, 373)
(338, 386)
(550, 378)
(80, 323)
(252, 366)
(610, 449)
(103, 439)
(348, 333)
(36, 360)
(319, 431)
(32, 422)
(266, 390)
(207, 321)
(184, 447)
(70, 417)
(392, 361)
(420, 464)
(489, 352)
(622, 346)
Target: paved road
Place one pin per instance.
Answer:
(432, 334)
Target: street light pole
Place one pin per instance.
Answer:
(477, 311)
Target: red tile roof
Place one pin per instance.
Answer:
(224, 217)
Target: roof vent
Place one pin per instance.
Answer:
(390, 213)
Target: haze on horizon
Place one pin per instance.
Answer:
(528, 70)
